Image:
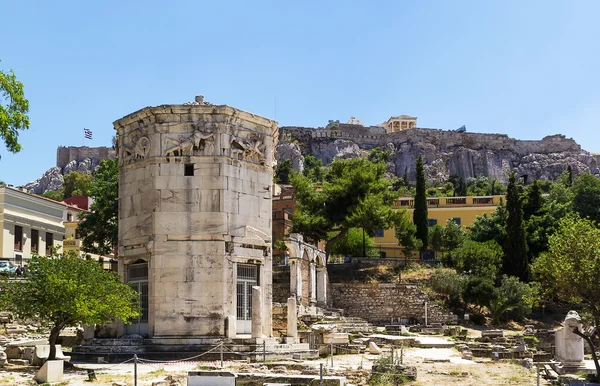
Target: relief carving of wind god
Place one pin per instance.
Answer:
(251, 149)
(199, 143)
(138, 149)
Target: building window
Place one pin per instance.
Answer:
(49, 243)
(19, 260)
(431, 222)
(456, 220)
(35, 241)
(188, 170)
(69, 217)
(18, 238)
(379, 232)
(428, 255)
(382, 254)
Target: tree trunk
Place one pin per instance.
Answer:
(331, 242)
(593, 349)
(54, 333)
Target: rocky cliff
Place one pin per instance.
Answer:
(68, 159)
(444, 152)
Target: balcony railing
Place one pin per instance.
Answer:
(456, 201)
(483, 200)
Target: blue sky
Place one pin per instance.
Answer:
(524, 68)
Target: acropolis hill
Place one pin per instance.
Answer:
(445, 152)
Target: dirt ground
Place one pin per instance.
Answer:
(435, 366)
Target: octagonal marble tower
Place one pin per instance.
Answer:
(195, 185)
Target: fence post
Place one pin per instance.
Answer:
(331, 351)
(264, 351)
(401, 355)
(392, 354)
(135, 361)
(321, 374)
(221, 349)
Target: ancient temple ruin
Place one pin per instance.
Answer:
(195, 220)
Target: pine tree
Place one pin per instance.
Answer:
(515, 261)
(420, 213)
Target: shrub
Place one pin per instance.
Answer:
(448, 283)
(479, 291)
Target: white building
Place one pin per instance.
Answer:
(29, 223)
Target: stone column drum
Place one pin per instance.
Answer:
(195, 184)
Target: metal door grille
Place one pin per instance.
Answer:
(246, 279)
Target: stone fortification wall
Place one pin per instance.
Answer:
(66, 154)
(379, 303)
(445, 152)
(447, 138)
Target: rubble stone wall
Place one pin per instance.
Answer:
(64, 154)
(379, 303)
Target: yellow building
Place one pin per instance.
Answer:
(73, 243)
(462, 210)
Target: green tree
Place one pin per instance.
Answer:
(353, 194)
(492, 227)
(313, 168)
(99, 227)
(406, 233)
(77, 184)
(515, 249)
(282, 172)
(13, 110)
(56, 195)
(478, 259)
(420, 215)
(570, 176)
(586, 199)
(352, 245)
(2, 184)
(436, 237)
(479, 291)
(533, 200)
(570, 270)
(379, 155)
(519, 295)
(460, 187)
(453, 236)
(68, 291)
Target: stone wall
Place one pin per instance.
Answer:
(64, 154)
(379, 303)
(445, 152)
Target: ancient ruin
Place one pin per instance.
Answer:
(195, 220)
(445, 152)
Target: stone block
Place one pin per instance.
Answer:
(51, 372)
(492, 334)
(18, 362)
(211, 378)
(336, 338)
(13, 352)
(374, 348)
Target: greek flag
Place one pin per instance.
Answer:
(87, 133)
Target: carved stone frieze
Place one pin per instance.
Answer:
(199, 143)
(138, 149)
(251, 149)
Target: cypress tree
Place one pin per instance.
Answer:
(515, 261)
(570, 178)
(420, 213)
(534, 200)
